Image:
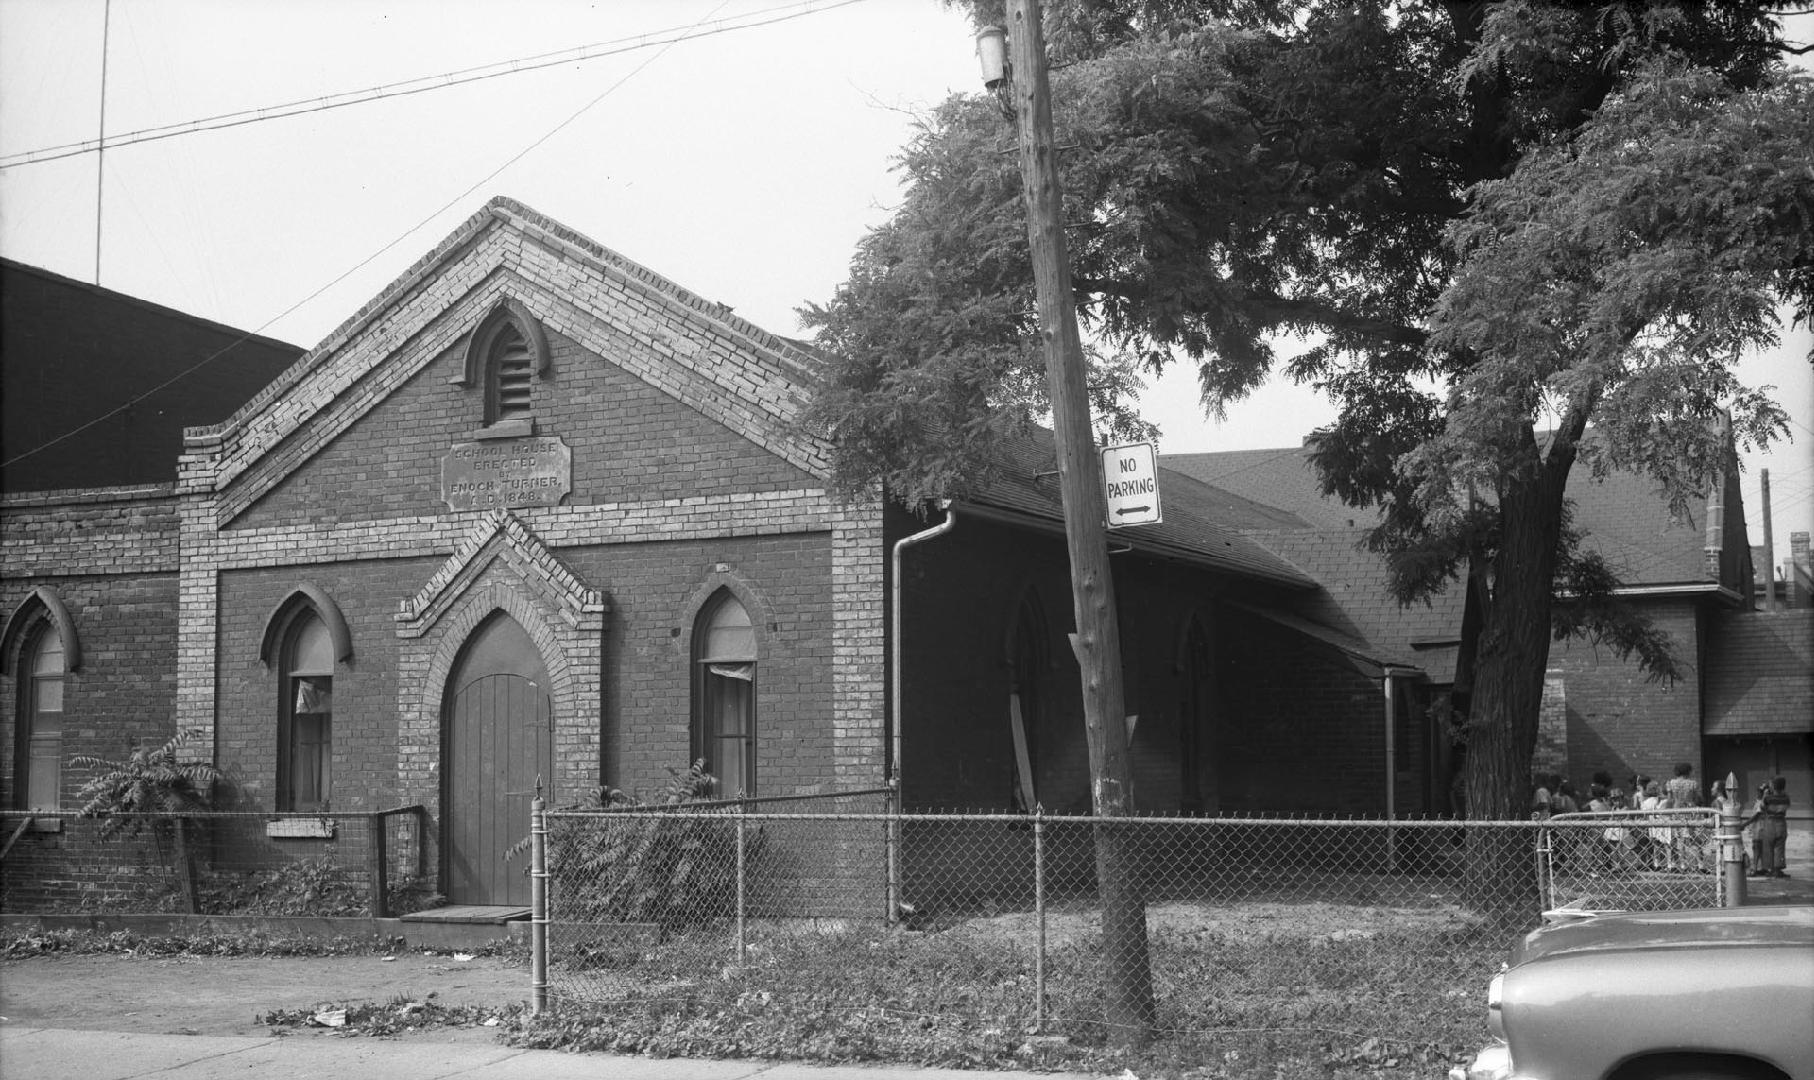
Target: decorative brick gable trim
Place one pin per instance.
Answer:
(751, 381)
(500, 535)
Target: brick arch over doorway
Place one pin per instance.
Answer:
(571, 651)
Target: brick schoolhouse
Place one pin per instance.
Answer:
(536, 515)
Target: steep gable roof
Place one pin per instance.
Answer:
(1623, 516)
(1280, 478)
(731, 371)
(100, 385)
(1354, 597)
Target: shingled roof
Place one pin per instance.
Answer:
(73, 355)
(1623, 516)
(1202, 526)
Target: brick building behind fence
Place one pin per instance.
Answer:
(536, 518)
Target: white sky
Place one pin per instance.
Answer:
(745, 166)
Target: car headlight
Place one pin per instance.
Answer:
(1495, 1019)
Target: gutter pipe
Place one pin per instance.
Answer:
(894, 643)
(895, 741)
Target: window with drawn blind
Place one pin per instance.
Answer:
(41, 721)
(306, 731)
(724, 731)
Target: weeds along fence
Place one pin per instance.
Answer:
(215, 863)
(992, 920)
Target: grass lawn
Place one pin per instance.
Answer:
(1247, 990)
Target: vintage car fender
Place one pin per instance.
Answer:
(1616, 995)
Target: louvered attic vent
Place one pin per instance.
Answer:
(516, 370)
(505, 355)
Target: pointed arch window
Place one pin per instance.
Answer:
(305, 742)
(1195, 706)
(42, 650)
(1027, 661)
(724, 694)
(41, 720)
(305, 638)
(506, 354)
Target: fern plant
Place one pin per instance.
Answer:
(152, 789)
(150, 786)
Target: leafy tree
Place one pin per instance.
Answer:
(153, 790)
(1490, 224)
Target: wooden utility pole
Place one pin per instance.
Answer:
(1128, 990)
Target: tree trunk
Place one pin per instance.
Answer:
(1499, 877)
(187, 878)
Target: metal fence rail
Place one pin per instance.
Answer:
(215, 863)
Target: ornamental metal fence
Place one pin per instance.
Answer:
(1252, 924)
(215, 863)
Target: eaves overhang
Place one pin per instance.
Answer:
(1685, 588)
(1127, 541)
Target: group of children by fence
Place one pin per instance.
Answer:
(1630, 843)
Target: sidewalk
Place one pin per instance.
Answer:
(41, 1053)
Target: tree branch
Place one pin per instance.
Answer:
(1282, 309)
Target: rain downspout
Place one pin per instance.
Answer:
(1391, 771)
(895, 741)
(894, 642)
(1391, 748)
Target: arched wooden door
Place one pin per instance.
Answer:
(497, 741)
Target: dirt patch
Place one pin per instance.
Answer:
(225, 995)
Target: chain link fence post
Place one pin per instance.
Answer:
(1732, 847)
(538, 904)
(378, 863)
(891, 809)
(1546, 893)
(742, 895)
(1039, 917)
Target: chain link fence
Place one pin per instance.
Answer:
(1652, 860)
(215, 863)
(992, 922)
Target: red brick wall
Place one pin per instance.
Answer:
(123, 694)
(1306, 731)
(654, 591)
(646, 702)
(1620, 721)
(364, 776)
(630, 442)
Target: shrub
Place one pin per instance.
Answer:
(152, 789)
(634, 868)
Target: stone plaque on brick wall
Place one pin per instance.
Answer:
(502, 474)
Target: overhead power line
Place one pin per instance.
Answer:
(373, 257)
(424, 84)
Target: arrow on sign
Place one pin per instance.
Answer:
(1133, 509)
